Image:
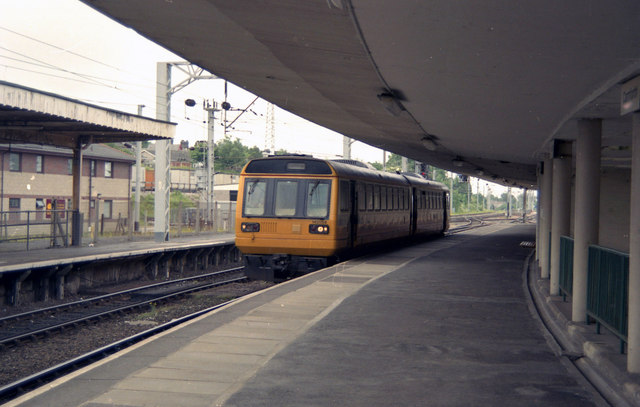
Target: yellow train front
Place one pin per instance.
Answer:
(297, 214)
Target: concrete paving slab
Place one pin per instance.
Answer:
(219, 371)
(133, 398)
(185, 374)
(157, 385)
(234, 347)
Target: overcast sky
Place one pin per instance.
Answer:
(65, 47)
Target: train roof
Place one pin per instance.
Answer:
(300, 165)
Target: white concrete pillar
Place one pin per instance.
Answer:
(587, 210)
(546, 215)
(633, 356)
(560, 219)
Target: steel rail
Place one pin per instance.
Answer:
(122, 308)
(81, 303)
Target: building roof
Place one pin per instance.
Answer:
(32, 116)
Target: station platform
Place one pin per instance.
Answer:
(447, 322)
(15, 257)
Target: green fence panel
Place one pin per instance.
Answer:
(608, 289)
(566, 265)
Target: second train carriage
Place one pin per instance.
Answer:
(297, 214)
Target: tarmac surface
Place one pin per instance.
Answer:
(443, 323)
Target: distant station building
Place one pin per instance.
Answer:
(33, 177)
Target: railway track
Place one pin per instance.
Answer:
(157, 293)
(31, 325)
(467, 223)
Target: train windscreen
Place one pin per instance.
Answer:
(286, 198)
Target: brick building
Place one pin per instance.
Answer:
(33, 176)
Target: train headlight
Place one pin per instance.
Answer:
(319, 229)
(250, 227)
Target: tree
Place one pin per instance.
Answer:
(377, 166)
(232, 155)
(199, 152)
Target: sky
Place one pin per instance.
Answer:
(67, 48)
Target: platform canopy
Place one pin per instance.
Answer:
(480, 88)
(35, 117)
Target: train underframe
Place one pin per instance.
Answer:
(281, 267)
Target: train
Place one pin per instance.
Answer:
(296, 214)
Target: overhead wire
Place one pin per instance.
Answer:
(101, 81)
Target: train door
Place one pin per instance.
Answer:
(414, 211)
(445, 205)
(353, 218)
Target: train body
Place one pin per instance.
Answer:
(297, 214)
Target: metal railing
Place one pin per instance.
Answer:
(608, 290)
(28, 226)
(566, 266)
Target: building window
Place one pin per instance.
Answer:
(108, 169)
(92, 168)
(14, 203)
(69, 166)
(14, 162)
(107, 208)
(40, 163)
(39, 204)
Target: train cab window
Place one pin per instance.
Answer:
(345, 196)
(286, 197)
(317, 199)
(254, 197)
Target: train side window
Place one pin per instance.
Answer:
(383, 198)
(344, 196)
(286, 197)
(362, 197)
(254, 197)
(396, 198)
(376, 197)
(369, 197)
(389, 198)
(317, 199)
